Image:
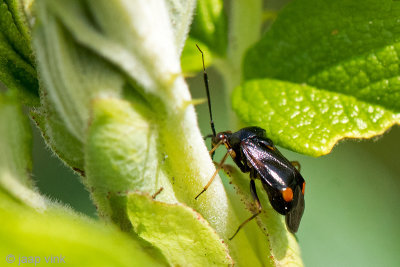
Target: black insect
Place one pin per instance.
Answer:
(253, 152)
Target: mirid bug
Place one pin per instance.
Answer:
(253, 152)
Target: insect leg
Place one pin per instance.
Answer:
(258, 204)
(215, 147)
(296, 164)
(215, 174)
(212, 151)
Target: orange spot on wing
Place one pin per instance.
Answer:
(287, 194)
(304, 188)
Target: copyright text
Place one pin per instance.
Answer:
(37, 260)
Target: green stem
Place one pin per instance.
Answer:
(188, 161)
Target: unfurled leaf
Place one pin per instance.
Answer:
(336, 74)
(307, 119)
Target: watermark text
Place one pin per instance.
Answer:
(36, 260)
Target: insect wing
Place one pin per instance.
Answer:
(272, 167)
(293, 217)
(276, 173)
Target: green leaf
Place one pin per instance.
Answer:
(182, 234)
(307, 119)
(59, 232)
(61, 141)
(281, 247)
(17, 70)
(191, 57)
(210, 26)
(346, 54)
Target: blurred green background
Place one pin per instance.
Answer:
(352, 195)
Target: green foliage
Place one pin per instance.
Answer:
(122, 144)
(15, 144)
(17, 70)
(190, 56)
(183, 235)
(126, 145)
(346, 52)
(62, 142)
(114, 107)
(209, 31)
(28, 218)
(307, 119)
(58, 232)
(210, 25)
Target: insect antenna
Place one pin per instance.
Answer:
(208, 93)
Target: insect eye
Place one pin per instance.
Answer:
(304, 188)
(287, 194)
